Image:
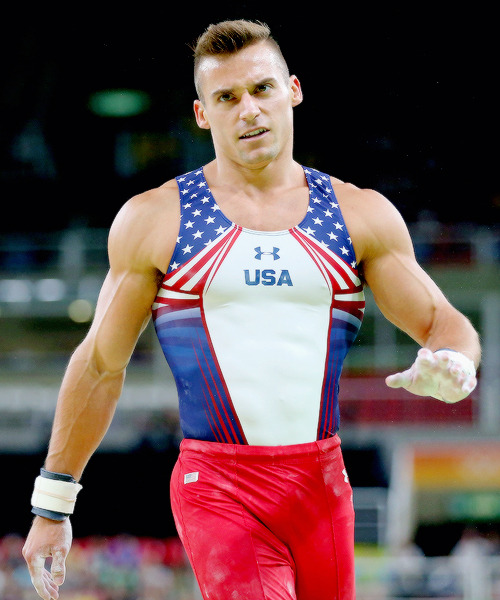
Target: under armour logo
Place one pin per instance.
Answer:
(259, 253)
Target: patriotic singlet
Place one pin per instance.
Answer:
(255, 325)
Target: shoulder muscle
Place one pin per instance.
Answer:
(144, 232)
(374, 223)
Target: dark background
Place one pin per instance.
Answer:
(403, 100)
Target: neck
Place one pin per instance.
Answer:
(275, 174)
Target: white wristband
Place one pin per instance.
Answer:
(55, 495)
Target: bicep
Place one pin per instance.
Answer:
(122, 312)
(141, 241)
(402, 290)
(128, 292)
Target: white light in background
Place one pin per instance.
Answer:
(15, 290)
(80, 311)
(50, 290)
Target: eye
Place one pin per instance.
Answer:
(225, 97)
(264, 87)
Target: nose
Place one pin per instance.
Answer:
(249, 108)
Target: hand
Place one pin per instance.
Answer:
(444, 374)
(48, 539)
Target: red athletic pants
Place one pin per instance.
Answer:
(266, 522)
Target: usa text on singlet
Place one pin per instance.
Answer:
(255, 325)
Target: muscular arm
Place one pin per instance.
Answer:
(96, 371)
(409, 298)
(93, 380)
(141, 241)
(405, 294)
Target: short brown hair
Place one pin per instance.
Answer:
(229, 37)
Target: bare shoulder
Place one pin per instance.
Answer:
(352, 197)
(374, 223)
(145, 229)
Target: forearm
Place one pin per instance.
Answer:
(447, 376)
(451, 329)
(85, 409)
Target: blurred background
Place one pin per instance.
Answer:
(96, 106)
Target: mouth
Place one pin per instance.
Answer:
(254, 134)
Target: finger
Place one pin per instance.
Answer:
(398, 380)
(426, 355)
(58, 568)
(426, 363)
(444, 360)
(41, 579)
(470, 385)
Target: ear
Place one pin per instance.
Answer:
(295, 91)
(200, 114)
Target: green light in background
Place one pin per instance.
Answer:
(482, 505)
(119, 103)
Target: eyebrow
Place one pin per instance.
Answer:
(222, 91)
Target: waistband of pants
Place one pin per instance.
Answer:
(263, 453)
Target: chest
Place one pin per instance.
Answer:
(275, 212)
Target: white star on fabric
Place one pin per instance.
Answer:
(191, 182)
(344, 250)
(197, 213)
(202, 184)
(332, 236)
(187, 205)
(215, 207)
(317, 221)
(188, 225)
(205, 199)
(187, 249)
(338, 225)
(174, 266)
(198, 234)
(220, 230)
(209, 220)
(309, 231)
(328, 213)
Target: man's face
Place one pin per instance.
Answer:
(247, 101)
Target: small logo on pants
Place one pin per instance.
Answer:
(191, 477)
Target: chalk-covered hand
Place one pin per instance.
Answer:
(47, 540)
(446, 375)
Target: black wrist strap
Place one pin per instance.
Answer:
(49, 514)
(57, 476)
